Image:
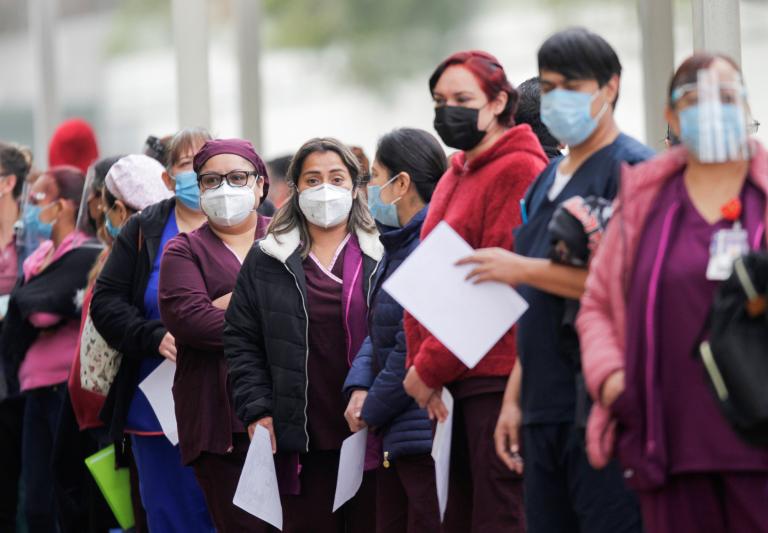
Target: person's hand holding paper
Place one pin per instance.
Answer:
(496, 264)
(467, 318)
(416, 388)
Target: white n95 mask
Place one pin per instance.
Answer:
(227, 205)
(326, 205)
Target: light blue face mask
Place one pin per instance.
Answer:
(719, 142)
(385, 214)
(568, 115)
(113, 230)
(33, 226)
(187, 190)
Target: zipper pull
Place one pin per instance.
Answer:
(386, 463)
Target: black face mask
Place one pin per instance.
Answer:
(457, 126)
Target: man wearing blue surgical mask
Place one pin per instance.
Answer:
(541, 425)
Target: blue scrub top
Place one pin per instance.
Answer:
(548, 393)
(141, 417)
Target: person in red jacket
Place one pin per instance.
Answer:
(479, 196)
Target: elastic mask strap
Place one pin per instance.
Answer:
(602, 109)
(485, 129)
(387, 185)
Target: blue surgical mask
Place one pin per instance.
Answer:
(717, 137)
(33, 226)
(385, 214)
(113, 230)
(187, 190)
(568, 115)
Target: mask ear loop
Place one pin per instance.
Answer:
(393, 178)
(55, 220)
(602, 109)
(493, 117)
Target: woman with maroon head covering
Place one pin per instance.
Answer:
(197, 276)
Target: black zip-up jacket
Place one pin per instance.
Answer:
(117, 308)
(265, 335)
(57, 289)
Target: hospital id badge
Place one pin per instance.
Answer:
(727, 246)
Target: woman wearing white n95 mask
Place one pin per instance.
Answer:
(296, 320)
(197, 276)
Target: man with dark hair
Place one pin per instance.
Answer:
(278, 187)
(528, 112)
(579, 74)
(279, 190)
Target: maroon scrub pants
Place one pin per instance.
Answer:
(406, 496)
(484, 496)
(708, 503)
(217, 476)
(310, 511)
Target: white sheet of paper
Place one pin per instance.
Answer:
(468, 319)
(257, 491)
(351, 463)
(157, 388)
(4, 299)
(441, 453)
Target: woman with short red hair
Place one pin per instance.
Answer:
(479, 196)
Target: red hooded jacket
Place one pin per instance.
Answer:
(481, 202)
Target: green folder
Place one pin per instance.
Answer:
(114, 483)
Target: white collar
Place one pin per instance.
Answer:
(282, 247)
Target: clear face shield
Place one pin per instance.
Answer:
(27, 240)
(715, 119)
(91, 215)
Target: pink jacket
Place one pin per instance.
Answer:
(601, 323)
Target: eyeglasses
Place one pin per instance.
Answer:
(729, 93)
(236, 178)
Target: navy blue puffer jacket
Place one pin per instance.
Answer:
(379, 367)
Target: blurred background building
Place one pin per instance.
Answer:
(281, 71)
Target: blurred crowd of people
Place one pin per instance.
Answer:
(601, 410)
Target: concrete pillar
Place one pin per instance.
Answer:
(248, 24)
(658, 45)
(42, 34)
(190, 40)
(717, 27)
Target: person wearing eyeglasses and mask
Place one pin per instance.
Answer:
(295, 322)
(197, 276)
(126, 314)
(645, 313)
(41, 330)
(579, 75)
(479, 198)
